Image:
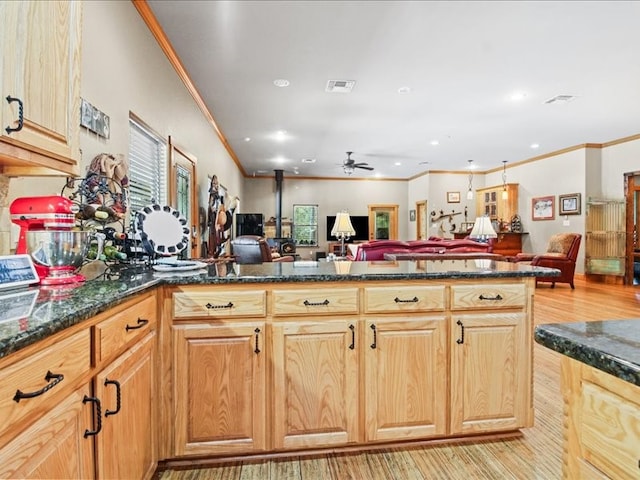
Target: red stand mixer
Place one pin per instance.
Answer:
(46, 234)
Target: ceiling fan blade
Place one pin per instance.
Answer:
(363, 167)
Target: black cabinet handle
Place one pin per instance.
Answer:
(214, 307)
(96, 403)
(375, 336)
(257, 332)
(118, 398)
(11, 99)
(141, 323)
(353, 337)
(460, 341)
(497, 297)
(307, 303)
(413, 300)
(53, 378)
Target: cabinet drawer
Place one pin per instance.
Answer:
(120, 329)
(610, 432)
(465, 297)
(219, 303)
(70, 358)
(315, 301)
(404, 299)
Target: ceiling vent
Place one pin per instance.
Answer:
(340, 86)
(560, 99)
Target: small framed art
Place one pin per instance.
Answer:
(453, 197)
(542, 208)
(412, 215)
(570, 204)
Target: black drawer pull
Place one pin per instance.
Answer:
(141, 323)
(214, 307)
(53, 378)
(118, 397)
(374, 345)
(257, 332)
(353, 337)
(497, 297)
(413, 300)
(96, 402)
(307, 303)
(11, 99)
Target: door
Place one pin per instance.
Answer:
(422, 223)
(127, 445)
(412, 404)
(315, 383)
(383, 222)
(489, 381)
(182, 193)
(219, 387)
(632, 194)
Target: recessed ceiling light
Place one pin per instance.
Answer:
(404, 90)
(308, 160)
(397, 164)
(280, 135)
(340, 86)
(435, 142)
(247, 139)
(279, 159)
(281, 82)
(517, 96)
(535, 145)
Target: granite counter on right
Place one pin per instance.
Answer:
(600, 382)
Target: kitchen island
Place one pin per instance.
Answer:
(264, 359)
(600, 383)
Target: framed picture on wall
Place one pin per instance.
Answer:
(570, 204)
(542, 208)
(412, 215)
(453, 197)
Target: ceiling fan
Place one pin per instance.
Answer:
(349, 165)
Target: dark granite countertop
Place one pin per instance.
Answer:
(29, 315)
(612, 346)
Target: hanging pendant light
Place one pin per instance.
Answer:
(505, 194)
(470, 191)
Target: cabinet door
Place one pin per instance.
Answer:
(405, 378)
(54, 446)
(126, 446)
(490, 373)
(315, 383)
(219, 388)
(41, 67)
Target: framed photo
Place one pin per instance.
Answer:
(570, 204)
(453, 197)
(412, 215)
(542, 208)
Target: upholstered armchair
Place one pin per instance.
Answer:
(562, 252)
(254, 249)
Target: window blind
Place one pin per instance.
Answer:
(147, 167)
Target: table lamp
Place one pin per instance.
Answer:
(342, 229)
(482, 230)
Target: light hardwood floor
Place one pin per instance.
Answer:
(535, 455)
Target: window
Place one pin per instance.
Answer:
(305, 225)
(147, 166)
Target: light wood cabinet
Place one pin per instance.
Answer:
(315, 383)
(489, 202)
(601, 426)
(406, 390)
(55, 445)
(41, 75)
(219, 375)
(126, 447)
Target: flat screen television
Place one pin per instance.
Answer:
(360, 225)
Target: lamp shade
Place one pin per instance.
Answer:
(482, 229)
(342, 227)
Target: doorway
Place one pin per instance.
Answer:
(632, 199)
(383, 222)
(182, 193)
(422, 223)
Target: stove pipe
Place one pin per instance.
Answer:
(279, 177)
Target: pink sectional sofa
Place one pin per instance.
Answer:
(375, 249)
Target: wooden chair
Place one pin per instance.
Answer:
(562, 252)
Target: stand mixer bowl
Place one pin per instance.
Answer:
(59, 254)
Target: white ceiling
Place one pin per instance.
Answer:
(461, 60)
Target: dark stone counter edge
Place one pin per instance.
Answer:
(618, 367)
